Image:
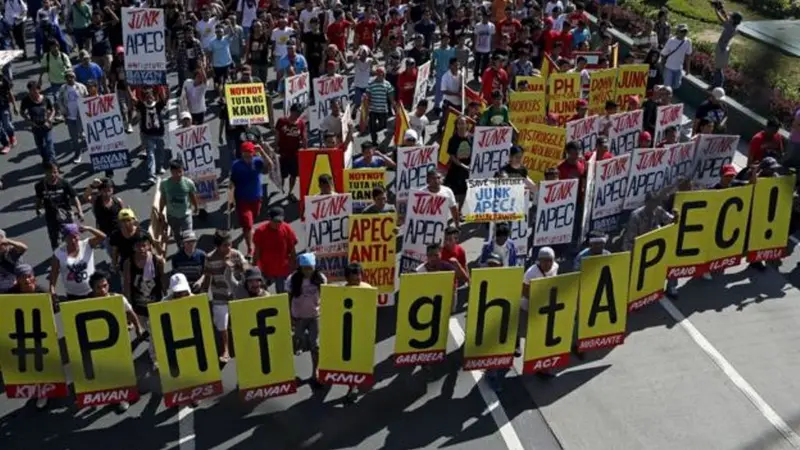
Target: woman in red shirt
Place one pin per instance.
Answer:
(407, 83)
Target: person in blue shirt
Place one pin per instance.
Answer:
(291, 64)
(221, 59)
(190, 261)
(246, 185)
(441, 64)
(501, 245)
(597, 247)
(371, 158)
(87, 71)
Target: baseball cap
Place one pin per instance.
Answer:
(253, 273)
(119, 49)
(179, 283)
(546, 253)
(126, 214)
(728, 170)
(276, 213)
(83, 54)
(411, 135)
(769, 163)
(645, 137)
(331, 64)
(494, 258)
(683, 27)
(189, 236)
(186, 115)
(247, 147)
(718, 93)
(307, 260)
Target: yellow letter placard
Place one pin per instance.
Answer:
(649, 261)
(551, 322)
(603, 309)
(769, 222)
(729, 216)
(695, 230)
(423, 314)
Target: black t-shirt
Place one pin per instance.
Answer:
(415, 13)
(654, 76)
(419, 55)
(714, 112)
(456, 28)
(649, 116)
(234, 130)
(101, 45)
(315, 44)
(37, 111)
(118, 74)
(124, 245)
(461, 148)
(258, 47)
(107, 217)
(151, 119)
(519, 46)
(57, 196)
(515, 172)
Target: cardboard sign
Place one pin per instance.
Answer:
(145, 51)
(543, 148)
(588, 193)
(262, 330)
(423, 314)
(413, 164)
(631, 80)
(426, 220)
(313, 162)
(101, 360)
(713, 152)
(297, 90)
(328, 89)
(555, 212)
(603, 308)
(564, 91)
(494, 314)
(183, 337)
(584, 131)
(495, 200)
(348, 323)
(681, 161)
(359, 183)
(490, 146)
(667, 116)
(610, 188)
(194, 145)
(648, 175)
(29, 350)
(649, 262)
(326, 220)
(372, 243)
(602, 88)
(106, 140)
(246, 103)
(527, 106)
(421, 88)
(450, 118)
(623, 135)
(694, 230)
(551, 322)
(770, 218)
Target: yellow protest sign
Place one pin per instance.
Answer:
(493, 317)
(564, 91)
(348, 321)
(423, 313)
(649, 262)
(730, 216)
(769, 221)
(186, 352)
(695, 230)
(631, 80)
(603, 307)
(543, 147)
(262, 334)
(372, 243)
(551, 322)
(29, 351)
(531, 84)
(247, 103)
(360, 183)
(101, 360)
(526, 107)
(602, 89)
(450, 117)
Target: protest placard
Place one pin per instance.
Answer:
(145, 50)
(681, 161)
(712, 152)
(246, 103)
(649, 262)
(611, 184)
(631, 80)
(602, 88)
(624, 131)
(297, 91)
(106, 140)
(313, 162)
(413, 164)
(667, 116)
(588, 193)
(603, 308)
(543, 147)
(421, 88)
(564, 91)
(555, 212)
(326, 221)
(584, 131)
(495, 200)
(526, 107)
(770, 218)
(450, 118)
(359, 183)
(372, 243)
(199, 159)
(519, 231)
(530, 84)
(551, 322)
(422, 315)
(647, 175)
(327, 89)
(426, 219)
(490, 146)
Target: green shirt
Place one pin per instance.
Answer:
(81, 15)
(495, 116)
(56, 66)
(177, 195)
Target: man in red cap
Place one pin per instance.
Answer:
(645, 140)
(246, 185)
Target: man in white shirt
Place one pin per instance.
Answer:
(546, 266)
(552, 4)
(435, 186)
(451, 86)
(193, 96)
(205, 28)
(249, 11)
(484, 33)
(309, 12)
(676, 52)
(280, 39)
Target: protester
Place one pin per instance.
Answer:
(193, 96)
(179, 200)
(246, 185)
(291, 135)
(501, 246)
(459, 150)
(57, 196)
(190, 261)
(596, 241)
(434, 186)
(713, 109)
(67, 100)
(372, 158)
(304, 293)
(73, 263)
(380, 98)
(144, 282)
(39, 111)
(545, 266)
(11, 253)
(380, 203)
(251, 286)
(150, 110)
(274, 254)
(766, 143)
(676, 54)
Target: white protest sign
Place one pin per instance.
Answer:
(145, 48)
(426, 219)
(413, 164)
(421, 89)
(623, 134)
(495, 200)
(584, 131)
(105, 133)
(648, 174)
(199, 159)
(611, 182)
(519, 231)
(297, 91)
(681, 161)
(667, 116)
(713, 152)
(591, 168)
(490, 146)
(326, 90)
(326, 225)
(555, 213)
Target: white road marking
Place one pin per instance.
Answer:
(507, 431)
(186, 428)
(783, 428)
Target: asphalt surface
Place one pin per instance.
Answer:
(714, 370)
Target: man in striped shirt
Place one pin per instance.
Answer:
(380, 94)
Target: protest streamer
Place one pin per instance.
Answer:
(564, 91)
(247, 103)
(421, 88)
(681, 161)
(623, 134)
(372, 243)
(450, 118)
(667, 116)
(145, 51)
(490, 146)
(611, 184)
(106, 140)
(712, 152)
(602, 88)
(423, 312)
(297, 91)
(413, 164)
(647, 175)
(543, 148)
(426, 220)
(327, 89)
(313, 162)
(555, 212)
(588, 193)
(199, 159)
(526, 107)
(326, 221)
(584, 131)
(495, 200)
(631, 81)
(359, 183)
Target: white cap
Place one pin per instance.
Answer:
(718, 93)
(546, 253)
(411, 135)
(186, 115)
(179, 283)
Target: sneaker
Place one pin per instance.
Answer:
(123, 406)
(129, 129)
(5, 150)
(77, 160)
(41, 403)
(707, 276)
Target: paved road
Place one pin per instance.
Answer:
(715, 370)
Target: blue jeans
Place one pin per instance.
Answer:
(75, 129)
(6, 127)
(44, 142)
(357, 96)
(673, 78)
(437, 91)
(52, 91)
(719, 78)
(154, 146)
